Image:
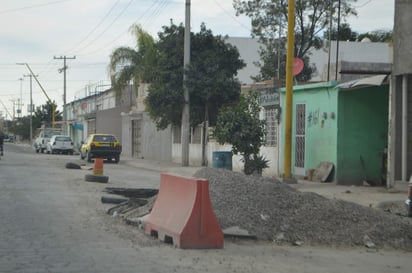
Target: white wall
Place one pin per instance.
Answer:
(195, 156)
(249, 53)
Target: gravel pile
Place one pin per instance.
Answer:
(274, 211)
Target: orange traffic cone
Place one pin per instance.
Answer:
(98, 166)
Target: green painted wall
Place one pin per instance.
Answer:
(362, 133)
(321, 126)
(321, 123)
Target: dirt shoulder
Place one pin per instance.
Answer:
(364, 195)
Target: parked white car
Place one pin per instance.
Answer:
(60, 144)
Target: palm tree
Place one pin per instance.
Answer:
(129, 65)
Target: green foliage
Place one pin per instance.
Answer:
(164, 102)
(210, 77)
(269, 16)
(345, 33)
(136, 65)
(22, 127)
(255, 164)
(43, 115)
(239, 125)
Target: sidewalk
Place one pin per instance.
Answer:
(160, 166)
(363, 195)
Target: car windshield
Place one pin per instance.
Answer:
(63, 138)
(100, 138)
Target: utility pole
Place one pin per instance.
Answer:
(42, 89)
(337, 43)
(186, 107)
(20, 100)
(14, 108)
(30, 108)
(64, 58)
(289, 91)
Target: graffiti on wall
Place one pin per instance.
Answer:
(313, 117)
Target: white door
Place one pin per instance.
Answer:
(300, 135)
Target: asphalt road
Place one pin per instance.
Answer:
(53, 221)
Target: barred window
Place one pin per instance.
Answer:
(196, 135)
(271, 127)
(177, 134)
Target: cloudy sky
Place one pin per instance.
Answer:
(36, 31)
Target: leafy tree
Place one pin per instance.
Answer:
(312, 17)
(378, 36)
(136, 65)
(22, 127)
(345, 33)
(210, 77)
(43, 115)
(239, 125)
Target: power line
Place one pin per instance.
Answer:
(154, 3)
(95, 28)
(108, 27)
(231, 16)
(32, 6)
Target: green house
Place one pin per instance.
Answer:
(345, 125)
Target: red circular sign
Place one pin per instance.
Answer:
(297, 66)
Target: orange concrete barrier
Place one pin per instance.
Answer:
(183, 214)
(98, 166)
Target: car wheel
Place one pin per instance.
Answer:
(96, 178)
(117, 159)
(48, 152)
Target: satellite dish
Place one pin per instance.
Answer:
(298, 65)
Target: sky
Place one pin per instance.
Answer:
(39, 32)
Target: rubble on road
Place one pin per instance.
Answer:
(274, 211)
(291, 216)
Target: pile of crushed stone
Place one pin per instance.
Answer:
(272, 210)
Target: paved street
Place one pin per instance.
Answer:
(53, 221)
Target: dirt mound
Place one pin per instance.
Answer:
(274, 211)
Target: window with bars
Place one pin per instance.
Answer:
(271, 127)
(177, 134)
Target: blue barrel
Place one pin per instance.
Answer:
(222, 160)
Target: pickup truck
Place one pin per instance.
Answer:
(44, 135)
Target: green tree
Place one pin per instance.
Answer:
(345, 33)
(133, 65)
(240, 126)
(22, 127)
(210, 77)
(312, 18)
(43, 115)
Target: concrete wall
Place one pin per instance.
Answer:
(362, 134)
(156, 145)
(249, 53)
(403, 37)
(321, 123)
(195, 156)
(350, 52)
(109, 121)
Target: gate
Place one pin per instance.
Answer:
(136, 138)
(300, 136)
